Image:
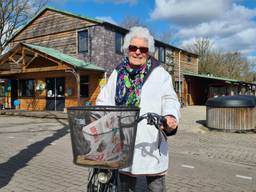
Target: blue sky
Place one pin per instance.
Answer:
(229, 24)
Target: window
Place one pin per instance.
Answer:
(83, 41)
(161, 54)
(189, 58)
(119, 38)
(84, 86)
(27, 87)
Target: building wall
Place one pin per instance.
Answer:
(38, 102)
(59, 31)
(185, 65)
(102, 48)
(52, 22)
(54, 30)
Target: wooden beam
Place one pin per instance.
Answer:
(9, 72)
(9, 53)
(23, 56)
(33, 70)
(27, 64)
(13, 60)
(51, 59)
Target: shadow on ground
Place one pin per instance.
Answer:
(20, 160)
(202, 122)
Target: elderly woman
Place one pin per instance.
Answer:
(141, 81)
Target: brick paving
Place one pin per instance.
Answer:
(35, 155)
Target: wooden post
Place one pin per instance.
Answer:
(76, 73)
(78, 87)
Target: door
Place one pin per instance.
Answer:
(14, 91)
(55, 98)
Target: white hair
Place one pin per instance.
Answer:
(142, 33)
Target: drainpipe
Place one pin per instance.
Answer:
(179, 78)
(105, 77)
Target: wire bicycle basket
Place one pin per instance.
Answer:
(103, 136)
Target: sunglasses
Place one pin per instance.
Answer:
(133, 48)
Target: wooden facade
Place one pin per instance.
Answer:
(28, 64)
(59, 30)
(197, 89)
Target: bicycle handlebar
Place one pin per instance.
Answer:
(157, 121)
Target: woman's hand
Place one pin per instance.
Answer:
(171, 124)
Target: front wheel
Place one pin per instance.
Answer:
(96, 185)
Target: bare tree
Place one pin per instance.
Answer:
(203, 48)
(229, 64)
(165, 36)
(13, 15)
(131, 21)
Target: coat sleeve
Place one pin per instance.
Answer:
(107, 93)
(170, 102)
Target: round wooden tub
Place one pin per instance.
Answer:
(231, 113)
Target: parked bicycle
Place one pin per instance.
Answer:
(103, 139)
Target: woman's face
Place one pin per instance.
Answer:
(138, 51)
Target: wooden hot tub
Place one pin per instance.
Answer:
(231, 113)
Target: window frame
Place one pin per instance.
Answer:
(23, 92)
(160, 49)
(118, 48)
(78, 42)
(189, 58)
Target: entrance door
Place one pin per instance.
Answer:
(55, 98)
(14, 91)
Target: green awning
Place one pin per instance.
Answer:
(211, 77)
(64, 57)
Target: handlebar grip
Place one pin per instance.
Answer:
(163, 121)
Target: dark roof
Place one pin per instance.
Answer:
(232, 101)
(217, 78)
(64, 57)
(97, 21)
(211, 77)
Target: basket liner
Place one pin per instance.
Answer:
(103, 138)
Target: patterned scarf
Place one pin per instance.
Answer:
(129, 82)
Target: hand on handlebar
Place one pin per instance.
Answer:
(170, 124)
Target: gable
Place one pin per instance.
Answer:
(50, 21)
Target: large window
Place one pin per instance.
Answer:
(161, 54)
(84, 86)
(27, 87)
(83, 41)
(119, 38)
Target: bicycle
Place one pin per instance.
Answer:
(104, 175)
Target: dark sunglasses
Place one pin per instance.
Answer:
(133, 48)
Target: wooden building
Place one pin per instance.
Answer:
(198, 88)
(60, 59)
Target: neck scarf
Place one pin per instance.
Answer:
(130, 81)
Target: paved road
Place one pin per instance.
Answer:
(35, 155)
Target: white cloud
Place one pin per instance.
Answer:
(230, 26)
(107, 19)
(242, 41)
(118, 1)
(183, 12)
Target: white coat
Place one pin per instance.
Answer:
(158, 96)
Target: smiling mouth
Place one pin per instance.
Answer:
(137, 57)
